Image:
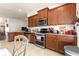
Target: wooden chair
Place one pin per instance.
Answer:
(20, 43)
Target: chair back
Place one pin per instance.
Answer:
(20, 43)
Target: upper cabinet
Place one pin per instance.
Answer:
(65, 14)
(35, 20)
(32, 20)
(53, 17)
(43, 13)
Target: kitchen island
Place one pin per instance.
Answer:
(11, 35)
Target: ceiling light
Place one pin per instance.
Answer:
(20, 10)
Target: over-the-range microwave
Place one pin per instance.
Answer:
(42, 22)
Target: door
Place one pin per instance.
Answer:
(2, 32)
(32, 38)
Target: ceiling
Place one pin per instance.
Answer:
(22, 10)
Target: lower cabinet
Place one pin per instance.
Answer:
(32, 38)
(57, 42)
(66, 40)
(11, 35)
(51, 42)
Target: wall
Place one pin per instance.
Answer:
(16, 24)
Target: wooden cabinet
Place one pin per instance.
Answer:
(32, 20)
(51, 42)
(53, 17)
(35, 20)
(67, 14)
(64, 41)
(57, 42)
(32, 38)
(11, 35)
(43, 13)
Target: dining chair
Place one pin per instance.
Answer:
(20, 43)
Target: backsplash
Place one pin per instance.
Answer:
(62, 28)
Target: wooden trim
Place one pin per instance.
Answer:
(61, 6)
(43, 9)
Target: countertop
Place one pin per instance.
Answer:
(46, 33)
(62, 34)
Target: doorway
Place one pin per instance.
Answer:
(2, 32)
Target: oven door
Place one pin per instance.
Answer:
(40, 39)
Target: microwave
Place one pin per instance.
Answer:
(43, 22)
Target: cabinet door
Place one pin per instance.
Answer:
(35, 20)
(53, 17)
(32, 38)
(51, 42)
(61, 43)
(67, 14)
(10, 37)
(64, 41)
(72, 12)
(43, 13)
(30, 22)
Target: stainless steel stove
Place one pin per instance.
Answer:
(40, 39)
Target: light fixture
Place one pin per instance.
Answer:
(20, 10)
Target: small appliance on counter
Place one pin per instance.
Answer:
(70, 32)
(25, 29)
(54, 31)
(44, 30)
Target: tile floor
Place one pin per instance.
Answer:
(31, 50)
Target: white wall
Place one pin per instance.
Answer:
(16, 24)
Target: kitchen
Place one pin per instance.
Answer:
(49, 28)
(58, 25)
